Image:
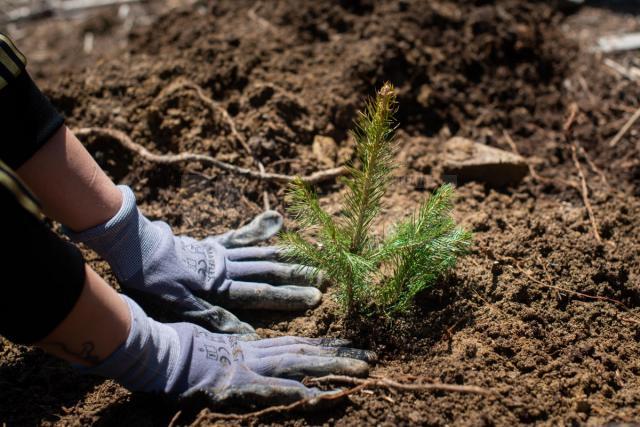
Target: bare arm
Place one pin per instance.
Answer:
(96, 326)
(71, 186)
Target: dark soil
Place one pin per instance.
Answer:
(529, 314)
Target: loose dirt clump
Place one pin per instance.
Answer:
(540, 312)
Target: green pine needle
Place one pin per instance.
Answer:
(388, 273)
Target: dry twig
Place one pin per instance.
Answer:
(582, 188)
(532, 171)
(623, 131)
(569, 291)
(573, 111)
(174, 419)
(584, 191)
(252, 13)
(632, 73)
(57, 7)
(126, 142)
(593, 166)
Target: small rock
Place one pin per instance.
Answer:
(467, 161)
(325, 150)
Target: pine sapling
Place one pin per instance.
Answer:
(371, 271)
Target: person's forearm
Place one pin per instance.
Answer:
(96, 326)
(71, 186)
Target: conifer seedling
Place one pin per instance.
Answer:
(375, 272)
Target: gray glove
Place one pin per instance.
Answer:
(187, 276)
(182, 359)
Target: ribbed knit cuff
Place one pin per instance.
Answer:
(148, 359)
(126, 241)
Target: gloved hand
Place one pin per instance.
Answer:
(182, 359)
(187, 276)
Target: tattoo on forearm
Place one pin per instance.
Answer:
(85, 354)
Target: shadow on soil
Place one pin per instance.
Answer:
(41, 383)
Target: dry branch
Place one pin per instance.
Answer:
(126, 142)
(619, 43)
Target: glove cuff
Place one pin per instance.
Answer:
(126, 241)
(148, 359)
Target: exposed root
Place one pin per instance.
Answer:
(214, 106)
(205, 415)
(126, 142)
(359, 384)
(389, 384)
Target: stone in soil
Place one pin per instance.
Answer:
(467, 160)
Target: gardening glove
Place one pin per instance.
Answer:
(186, 277)
(182, 359)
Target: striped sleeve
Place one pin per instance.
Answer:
(12, 61)
(27, 118)
(42, 276)
(14, 185)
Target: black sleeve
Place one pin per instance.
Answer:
(43, 275)
(27, 117)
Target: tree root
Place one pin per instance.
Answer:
(359, 384)
(386, 383)
(213, 106)
(166, 159)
